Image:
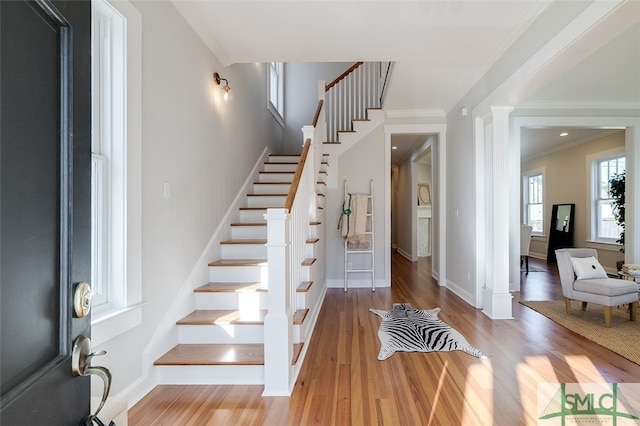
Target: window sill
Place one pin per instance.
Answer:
(272, 109)
(110, 324)
(602, 245)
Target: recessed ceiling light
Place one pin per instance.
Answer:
(394, 147)
(564, 134)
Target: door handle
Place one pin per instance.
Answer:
(81, 366)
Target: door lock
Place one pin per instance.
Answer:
(82, 299)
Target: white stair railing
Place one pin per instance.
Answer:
(347, 98)
(288, 229)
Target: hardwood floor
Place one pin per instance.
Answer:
(343, 383)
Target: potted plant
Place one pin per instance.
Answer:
(617, 187)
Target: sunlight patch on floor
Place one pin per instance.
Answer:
(583, 369)
(436, 398)
(529, 380)
(478, 393)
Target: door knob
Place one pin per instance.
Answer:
(81, 366)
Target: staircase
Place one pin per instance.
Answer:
(222, 340)
(253, 320)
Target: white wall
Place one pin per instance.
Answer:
(301, 96)
(204, 148)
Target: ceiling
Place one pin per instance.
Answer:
(448, 42)
(441, 49)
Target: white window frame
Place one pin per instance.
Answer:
(594, 201)
(116, 169)
(275, 95)
(525, 198)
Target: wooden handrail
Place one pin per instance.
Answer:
(317, 116)
(343, 75)
(293, 189)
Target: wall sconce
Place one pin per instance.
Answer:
(217, 79)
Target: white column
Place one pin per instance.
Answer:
(278, 323)
(497, 299)
(632, 211)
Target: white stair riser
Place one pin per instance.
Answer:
(289, 167)
(252, 216)
(320, 187)
(249, 232)
(238, 274)
(301, 331)
(243, 251)
(301, 300)
(276, 177)
(313, 231)
(271, 188)
(266, 201)
(306, 273)
(293, 158)
(210, 375)
(310, 250)
(221, 334)
(209, 301)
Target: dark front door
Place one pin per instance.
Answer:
(45, 228)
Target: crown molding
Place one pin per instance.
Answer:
(404, 113)
(579, 105)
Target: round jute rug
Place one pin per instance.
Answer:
(622, 338)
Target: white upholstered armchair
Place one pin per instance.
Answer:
(583, 278)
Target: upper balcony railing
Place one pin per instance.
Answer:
(347, 98)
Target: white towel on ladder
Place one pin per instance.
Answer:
(354, 226)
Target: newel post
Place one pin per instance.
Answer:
(278, 322)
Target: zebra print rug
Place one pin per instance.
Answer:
(413, 330)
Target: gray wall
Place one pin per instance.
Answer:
(368, 154)
(301, 96)
(200, 144)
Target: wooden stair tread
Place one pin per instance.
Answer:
(249, 224)
(297, 349)
(308, 262)
(260, 208)
(231, 288)
(269, 172)
(244, 242)
(213, 354)
(239, 262)
(313, 240)
(304, 286)
(221, 317)
(300, 315)
(255, 194)
(315, 223)
(332, 142)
